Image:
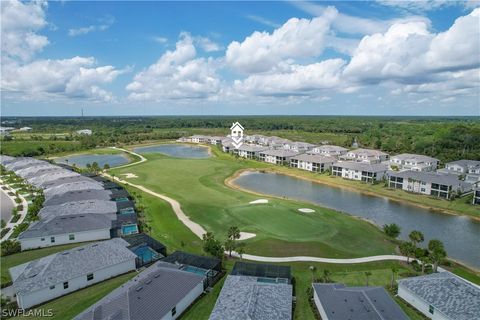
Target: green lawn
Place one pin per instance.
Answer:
(26, 256)
(199, 187)
(69, 306)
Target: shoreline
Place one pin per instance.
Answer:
(352, 188)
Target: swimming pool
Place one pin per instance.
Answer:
(272, 280)
(196, 270)
(122, 200)
(146, 254)
(127, 211)
(129, 229)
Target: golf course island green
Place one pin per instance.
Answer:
(199, 186)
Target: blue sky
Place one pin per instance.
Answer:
(154, 58)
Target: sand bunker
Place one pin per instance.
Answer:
(306, 210)
(129, 175)
(259, 201)
(246, 235)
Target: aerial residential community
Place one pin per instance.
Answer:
(240, 160)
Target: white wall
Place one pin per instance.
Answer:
(34, 298)
(420, 304)
(34, 243)
(320, 309)
(185, 302)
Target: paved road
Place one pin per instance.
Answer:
(199, 231)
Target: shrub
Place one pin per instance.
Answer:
(9, 247)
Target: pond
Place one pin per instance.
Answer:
(177, 151)
(81, 160)
(460, 234)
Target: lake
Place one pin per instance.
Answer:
(81, 160)
(177, 151)
(460, 234)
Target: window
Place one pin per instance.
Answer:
(430, 309)
(174, 311)
(71, 237)
(65, 285)
(42, 239)
(52, 239)
(89, 276)
(52, 287)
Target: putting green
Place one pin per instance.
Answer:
(198, 185)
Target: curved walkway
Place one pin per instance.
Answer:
(142, 158)
(22, 213)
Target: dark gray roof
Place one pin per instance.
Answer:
(357, 303)
(414, 157)
(315, 158)
(360, 166)
(150, 295)
(79, 207)
(246, 147)
(68, 224)
(79, 195)
(72, 186)
(454, 297)
(244, 297)
(465, 163)
(63, 180)
(63, 266)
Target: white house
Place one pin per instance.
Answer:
(359, 171)
(366, 155)
(199, 139)
(330, 150)
(335, 301)
(250, 151)
(441, 296)
(86, 132)
(414, 162)
(215, 140)
(428, 183)
(53, 276)
(312, 162)
(279, 156)
(162, 291)
(54, 231)
(298, 146)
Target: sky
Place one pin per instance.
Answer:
(220, 58)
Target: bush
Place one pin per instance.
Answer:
(15, 218)
(9, 247)
(19, 229)
(4, 232)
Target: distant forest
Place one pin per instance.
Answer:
(445, 138)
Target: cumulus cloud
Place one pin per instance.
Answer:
(297, 38)
(77, 77)
(177, 74)
(20, 24)
(207, 44)
(428, 5)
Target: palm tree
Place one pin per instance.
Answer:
(367, 275)
(229, 246)
(416, 237)
(437, 252)
(327, 275)
(233, 233)
(407, 249)
(241, 249)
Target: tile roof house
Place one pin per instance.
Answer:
(58, 230)
(247, 297)
(250, 151)
(58, 274)
(312, 162)
(162, 291)
(414, 162)
(72, 186)
(330, 150)
(79, 195)
(79, 207)
(442, 296)
(428, 183)
(360, 171)
(335, 301)
(366, 155)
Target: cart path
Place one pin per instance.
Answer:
(142, 158)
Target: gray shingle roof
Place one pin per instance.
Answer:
(246, 147)
(63, 180)
(79, 207)
(368, 152)
(243, 297)
(377, 167)
(63, 266)
(6, 159)
(357, 303)
(73, 186)
(314, 158)
(280, 153)
(331, 148)
(431, 177)
(448, 293)
(46, 175)
(31, 171)
(79, 195)
(68, 224)
(414, 157)
(465, 163)
(21, 163)
(150, 295)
